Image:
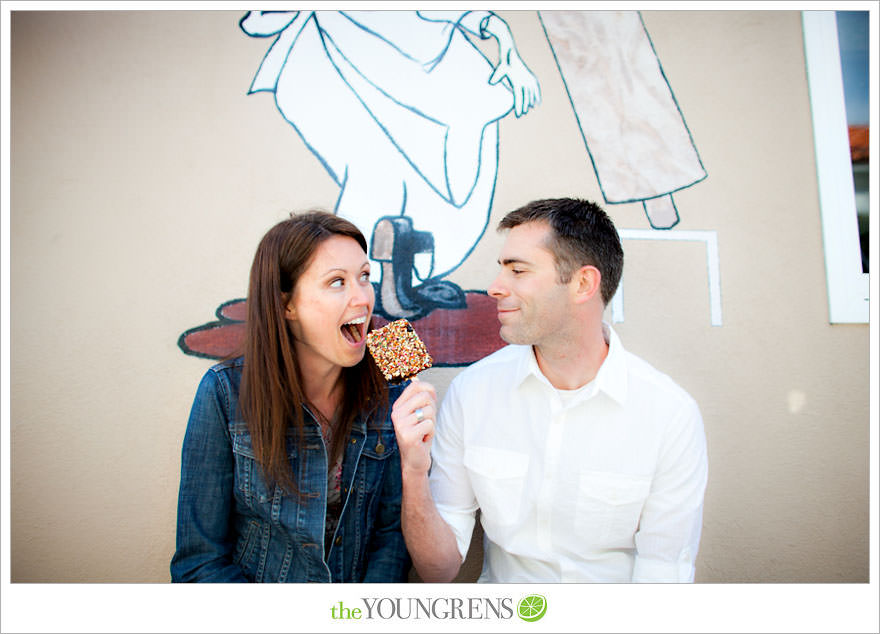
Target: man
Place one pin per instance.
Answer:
(586, 463)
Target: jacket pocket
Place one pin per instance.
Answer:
(609, 506)
(248, 476)
(378, 448)
(381, 444)
(246, 549)
(498, 479)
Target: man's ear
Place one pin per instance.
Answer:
(587, 283)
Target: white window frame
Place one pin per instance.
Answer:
(847, 285)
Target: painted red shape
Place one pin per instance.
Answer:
(236, 311)
(453, 337)
(214, 341)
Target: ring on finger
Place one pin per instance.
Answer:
(420, 415)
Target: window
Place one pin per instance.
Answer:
(847, 277)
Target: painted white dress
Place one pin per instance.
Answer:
(398, 107)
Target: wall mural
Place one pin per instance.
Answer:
(412, 142)
(634, 132)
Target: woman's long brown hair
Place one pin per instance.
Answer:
(271, 395)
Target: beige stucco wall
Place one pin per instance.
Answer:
(142, 176)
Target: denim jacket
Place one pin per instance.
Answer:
(232, 527)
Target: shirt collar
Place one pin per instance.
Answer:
(611, 378)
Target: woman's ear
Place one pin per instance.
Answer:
(588, 283)
(287, 302)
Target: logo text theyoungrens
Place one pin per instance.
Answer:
(440, 608)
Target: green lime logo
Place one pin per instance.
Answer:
(532, 607)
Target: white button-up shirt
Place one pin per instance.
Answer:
(604, 484)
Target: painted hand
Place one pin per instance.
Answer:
(521, 81)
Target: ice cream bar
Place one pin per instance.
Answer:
(398, 351)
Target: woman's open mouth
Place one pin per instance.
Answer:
(353, 330)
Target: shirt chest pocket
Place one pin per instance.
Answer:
(498, 480)
(609, 506)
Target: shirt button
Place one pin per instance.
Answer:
(380, 449)
(338, 540)
(354, 441)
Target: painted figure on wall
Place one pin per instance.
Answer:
(402, 110)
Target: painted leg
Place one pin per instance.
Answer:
(395, 245)
(390, 246)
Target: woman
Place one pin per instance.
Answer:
(290, 468)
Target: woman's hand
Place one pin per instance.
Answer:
(413, 415)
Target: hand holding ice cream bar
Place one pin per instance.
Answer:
(398, 351)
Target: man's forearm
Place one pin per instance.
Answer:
(430, 541)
